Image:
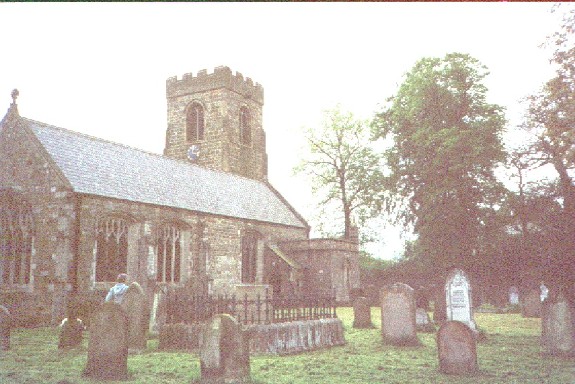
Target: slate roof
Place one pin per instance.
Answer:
(98, 167)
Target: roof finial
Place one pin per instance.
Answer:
(14, 94)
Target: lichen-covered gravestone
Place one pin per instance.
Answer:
(531, 304)
(108, 344)
(5, 326)
(135, 305)
(224, 352)
(398, 315)
(362, 313)
(456, 349)
(458, 298)
(72, 332)
(558, 325)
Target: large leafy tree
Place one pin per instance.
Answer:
(345, 170)
(443, 144)
(550, 119)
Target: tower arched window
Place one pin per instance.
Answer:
(169, 253)
(16, 237)
(111, 248)
(245, 126)
(195, 122)
(249, 245)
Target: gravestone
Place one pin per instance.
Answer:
(513, 295)
(108, 344)
(224, 352)
(72, 332)
(158, 312)
(456, 349)
(398, 315)
(531, 304)
(135, 305)
(558, 325)
(362, 313)
(422, 321)
(458, 298)
(5, 326)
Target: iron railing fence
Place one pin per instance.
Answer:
(189, 309)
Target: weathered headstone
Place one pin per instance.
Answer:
(422, 321)
(458, 298)
(5, 326)
(398, 315)
(72, 333)
(108, 344)
(456, 349)
(513, 295)
(158, 312)
(135, 305)
(224, 352)
(362, 313)
(531, 304)
(558, 325)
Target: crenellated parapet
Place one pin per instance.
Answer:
(222, 77)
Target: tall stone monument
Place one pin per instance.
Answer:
(398, 315)
(458, 298)
(224, 352)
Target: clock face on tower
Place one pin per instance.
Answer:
(194, 152)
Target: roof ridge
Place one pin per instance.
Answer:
(184, 162)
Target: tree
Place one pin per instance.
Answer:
(343, 166)
(445, 144)
(550, 119)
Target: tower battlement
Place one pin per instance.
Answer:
(222, 77)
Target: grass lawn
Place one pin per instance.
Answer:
(511, 354)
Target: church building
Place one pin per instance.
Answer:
(76, 210)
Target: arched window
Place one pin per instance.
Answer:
(16, 233)
(111, 249)
(195, 122)
(249, 257)
(245, 126)
(169, 252)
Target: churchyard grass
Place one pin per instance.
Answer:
(510, 354)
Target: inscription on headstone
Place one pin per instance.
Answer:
(458, 298)
(108, 344)
(398, 315)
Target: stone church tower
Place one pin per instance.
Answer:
(215, 121)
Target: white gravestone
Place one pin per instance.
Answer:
(458, 298)
(513, 295)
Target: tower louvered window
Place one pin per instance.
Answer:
(111, 249)
(16, 237)
(245, 126)
(169, 254)
(195, 122)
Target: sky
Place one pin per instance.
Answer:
(100, 68)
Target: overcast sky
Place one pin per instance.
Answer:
(100, 68)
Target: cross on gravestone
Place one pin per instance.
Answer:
(224, 352)
(456, 349)
(108, 344)
(5, 326)
(458, 298)
(558, 325)
(398, 315)
(135, 305)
